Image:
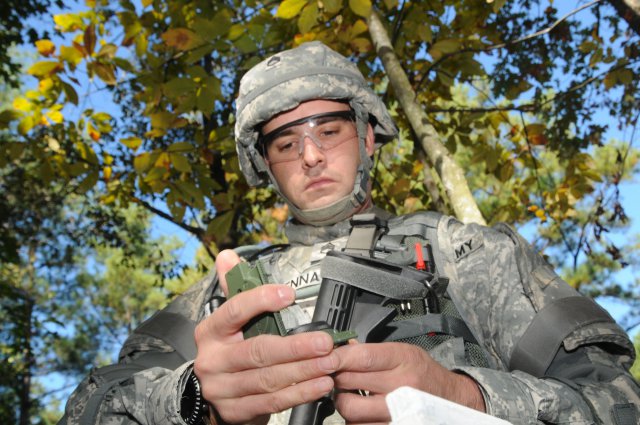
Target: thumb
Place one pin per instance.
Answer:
(226, 260)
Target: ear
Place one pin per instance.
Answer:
(370, 141)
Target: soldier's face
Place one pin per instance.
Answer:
(318, 177)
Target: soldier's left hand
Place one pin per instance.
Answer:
(377, 369)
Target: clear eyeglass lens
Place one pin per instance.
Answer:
(326, 132)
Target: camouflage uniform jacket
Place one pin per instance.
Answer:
(498, 284)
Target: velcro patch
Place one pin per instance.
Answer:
(468, 246)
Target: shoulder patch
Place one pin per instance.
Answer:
(468, 246)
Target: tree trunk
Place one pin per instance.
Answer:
(452, 176)
(629, 10)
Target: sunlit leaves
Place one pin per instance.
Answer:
(45, 47)
(361, 7)
(44, 68)
(290, 8)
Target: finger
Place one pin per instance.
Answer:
(271, 379)
(225, 261)
(238, 410)
(355, 408)
(269, 350)
(237, 311)
(367, 357)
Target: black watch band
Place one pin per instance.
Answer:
(193, 407)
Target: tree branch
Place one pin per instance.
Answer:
(509, 43)
(629, 10)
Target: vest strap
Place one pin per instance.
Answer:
(537, 347)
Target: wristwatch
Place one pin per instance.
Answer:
(193, 408)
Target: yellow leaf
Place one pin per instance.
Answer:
(68, 22)
(40, 69)
(146, 3)
(132, 143)
(236, 31)
(181, 38)
(361, 7)
(55, 116)
(45, 47)
(70, 55)
(142, 162)
(290, 8)
(22, 104)
(45, 85)
(106, 172)
(358, 28)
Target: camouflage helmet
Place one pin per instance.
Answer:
(286, 79)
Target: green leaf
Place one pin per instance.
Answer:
(88, 182)
(220, 225)
(443, 47)
(105, 72)
(7, 116)
(143, 162)
(108, 50)
(497, 4)
(69, 92)
(179, 86)
(190, 194)
(132, 143)
(308, 18)
(332, 6)
(180, 147)
(162, 120)
(361, 7)
(180, 163)
(209, 29)
(289, 9)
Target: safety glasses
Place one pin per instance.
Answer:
(327, 131)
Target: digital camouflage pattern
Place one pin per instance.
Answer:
(498, 285)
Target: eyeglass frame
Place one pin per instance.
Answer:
(264, 140)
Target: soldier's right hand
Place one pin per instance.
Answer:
(246, 380)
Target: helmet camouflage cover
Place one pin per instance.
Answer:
(286, 79)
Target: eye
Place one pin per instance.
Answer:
(285, 144)
(329, 130)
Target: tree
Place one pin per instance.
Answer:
(522, 98)
(13, 16)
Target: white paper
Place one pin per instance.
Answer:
(409, 406)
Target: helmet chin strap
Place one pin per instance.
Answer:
(344, 207)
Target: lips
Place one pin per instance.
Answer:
(317, 183)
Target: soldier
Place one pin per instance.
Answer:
(508, 337)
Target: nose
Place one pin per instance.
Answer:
(312, 155)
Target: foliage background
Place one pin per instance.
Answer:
(124, 113)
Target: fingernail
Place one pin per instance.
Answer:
(324, 384)
(286, 294)
(321, 343)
